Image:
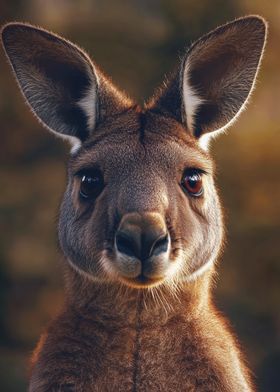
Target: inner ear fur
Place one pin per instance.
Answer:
(216, 77)
(61, 84)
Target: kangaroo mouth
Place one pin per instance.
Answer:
(142, 281)
(136, 273)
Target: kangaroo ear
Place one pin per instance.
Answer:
(216, 77)
(60, 83)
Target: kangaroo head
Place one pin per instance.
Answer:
(140, 205)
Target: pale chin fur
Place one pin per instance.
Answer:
(112, 274)
(200, 271)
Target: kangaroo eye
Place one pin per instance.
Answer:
(92, 185)
(192, 182)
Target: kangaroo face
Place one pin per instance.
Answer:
(140, 206)
(142, 226)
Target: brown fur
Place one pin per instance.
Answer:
(120, 339)
(110, 337)
(133, 323)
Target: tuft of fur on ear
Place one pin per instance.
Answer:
(216, 77)
(63, 87)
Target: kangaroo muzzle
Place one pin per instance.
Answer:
(142, 245)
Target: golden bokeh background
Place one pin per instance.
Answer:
(137, 42)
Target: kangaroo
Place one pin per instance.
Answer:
(141, 225)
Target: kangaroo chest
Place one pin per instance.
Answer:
(92, 356)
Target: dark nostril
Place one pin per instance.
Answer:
(126, 244)
(160, 245)
(143, 246)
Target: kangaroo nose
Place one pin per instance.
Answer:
(142, 236)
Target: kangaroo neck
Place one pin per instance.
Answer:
(124, 305)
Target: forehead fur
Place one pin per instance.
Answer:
(136, 135)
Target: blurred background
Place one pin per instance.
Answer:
(137, 42)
